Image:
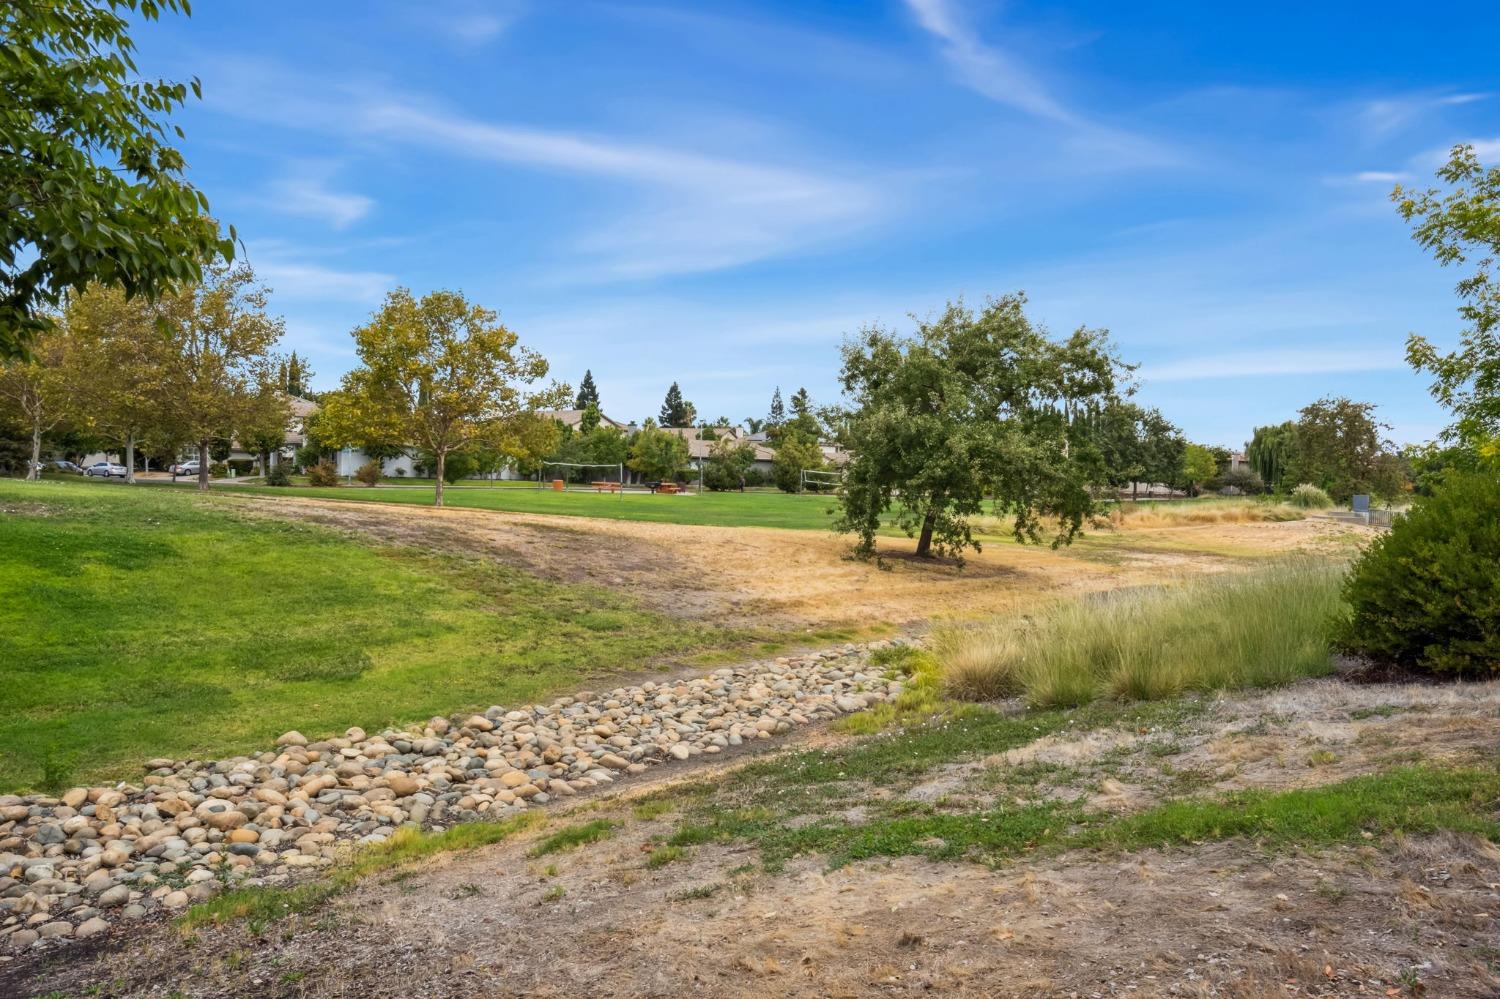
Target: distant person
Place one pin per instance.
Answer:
(742, 482)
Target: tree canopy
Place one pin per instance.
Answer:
(119, 357)
(1198, 466)
(1136, 444)
(1340, 448)
(976, 408)
(1461, 225)
(439, 374)
(588, 393)
(777, 414)
(1272, 451)
(217, 360)
(92, 188)
(38, 389)
(656, 454)
(728, 460)
(676, 411)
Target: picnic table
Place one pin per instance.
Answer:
(606, 487)
(664, 487)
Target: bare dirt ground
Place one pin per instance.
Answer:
(1381, 918)
(798, 579)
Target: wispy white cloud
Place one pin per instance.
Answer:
(1386, 116)
(996, 73)
(1488, 151)
(1382, 176)
(471, 22)
(1272, 361)
(304, 191)
(680, 210)
(986, 68)
(291, 275)
(699, 212)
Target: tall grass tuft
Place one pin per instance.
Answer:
(1310, 497)
(1150, 514)
(1208, 510)
(1259, 629)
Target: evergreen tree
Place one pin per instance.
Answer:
(588, 394)
(777, 415)
(803, 420)
(675, 412)
(801, 403)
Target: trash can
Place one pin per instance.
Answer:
(558, 485)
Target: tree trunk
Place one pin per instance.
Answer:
(442, 460)
(34, 470)
(1134, 486)
(924, 540)
(203, 466)
(130, 457)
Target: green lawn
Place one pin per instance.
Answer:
(749, 509)
(160, 622)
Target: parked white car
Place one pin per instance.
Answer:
(106, 469)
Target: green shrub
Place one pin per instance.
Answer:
(308, 455)
(458, 465)
(796, 452)
(368, 473)
(278, 476)
(1427, 593)
(323, 474)
(1241, 481)
(1310, 497)
(218, 469)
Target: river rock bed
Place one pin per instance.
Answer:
(72, 866)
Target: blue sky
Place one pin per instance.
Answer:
(716, 193)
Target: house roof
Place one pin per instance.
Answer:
(573, 417)
(300, 406)
(702, 449)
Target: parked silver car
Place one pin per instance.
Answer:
(106, 469)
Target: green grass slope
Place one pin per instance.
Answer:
(155, 622)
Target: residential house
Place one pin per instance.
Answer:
(699, 450)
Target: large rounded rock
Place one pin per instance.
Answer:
(90, 927)
(114, 897)
(402, 785)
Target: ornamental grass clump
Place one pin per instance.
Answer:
(1310, 497)
(1259, 629)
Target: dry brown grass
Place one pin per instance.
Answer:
(1204, 511)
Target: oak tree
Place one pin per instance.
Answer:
(975, 409)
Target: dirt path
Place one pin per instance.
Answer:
(1216, 919)
(791, 579)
